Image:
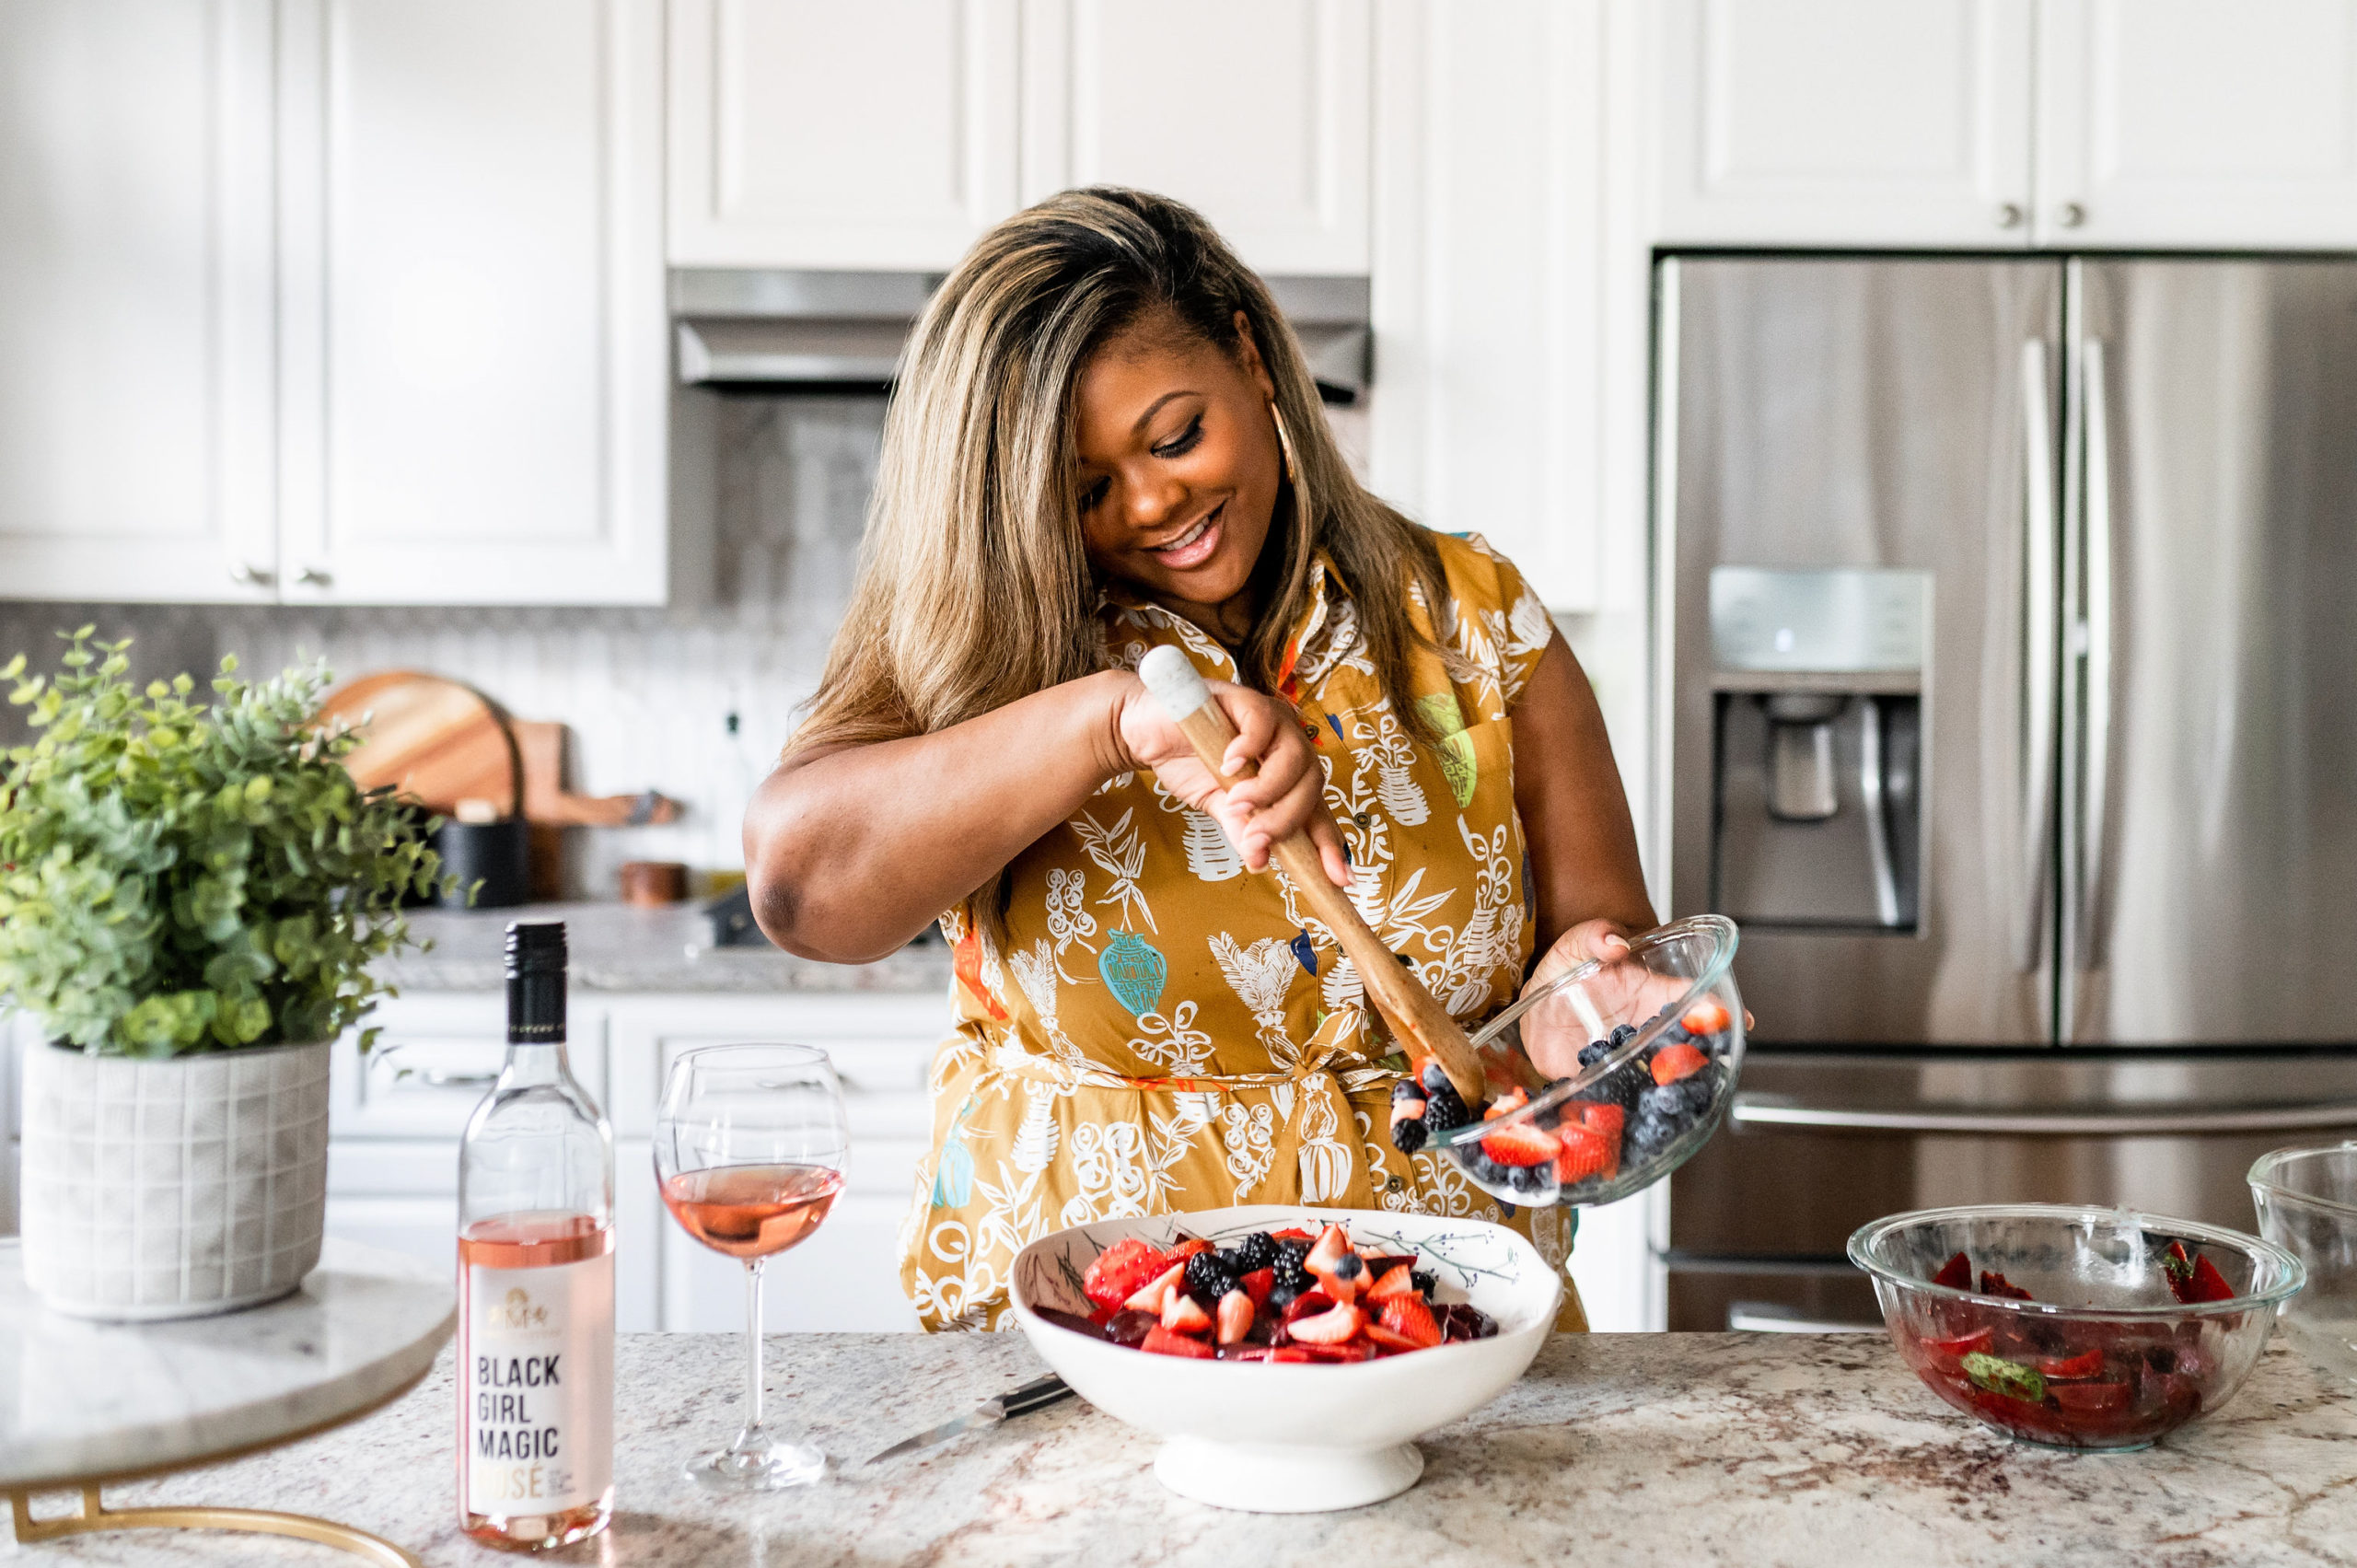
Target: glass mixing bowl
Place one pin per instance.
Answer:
(2103, 1354)
(1625, 1066)
(2308, 1206)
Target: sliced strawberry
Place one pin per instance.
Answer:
(1398, 1280)
(1149, 1296)
(1955, 1273)
(1583, 1153)
(1235, 1317)
(1188, 1249)
(1342, 1286)
(1120, 1269)
(1258, 1284)
(1295, 1354)
(2087, 1364)
(1328, 1251)
(1182, 1315)
(1514, 1099)
(1160, 1341)
(1329, 1328)
(1291, 1233)
(1948, 1355)
(1409, 1317)
(1309, 1304)
(1707, 1017)
(1521, 1144)
(1388, 1339)
(1672, 1062)
(2193, 1277)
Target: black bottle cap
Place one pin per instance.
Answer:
(536, 962)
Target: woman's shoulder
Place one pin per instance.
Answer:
(1495, 627)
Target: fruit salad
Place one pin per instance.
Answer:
(2071, 1381)
(1632, 1106)
(1283, 1296)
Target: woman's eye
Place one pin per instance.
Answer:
(1092, 495)
(1184, 442)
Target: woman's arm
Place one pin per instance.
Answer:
(851, 850)
(1574, 817)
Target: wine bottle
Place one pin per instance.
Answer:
(536, 1280)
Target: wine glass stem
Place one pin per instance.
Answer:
(753, 1343)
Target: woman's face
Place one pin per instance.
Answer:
(1179, 461)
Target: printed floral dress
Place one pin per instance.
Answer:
(1162, 1030)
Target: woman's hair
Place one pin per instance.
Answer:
(975, 587)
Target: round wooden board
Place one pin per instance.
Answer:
(434, 740)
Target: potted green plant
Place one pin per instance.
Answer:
(192, 892)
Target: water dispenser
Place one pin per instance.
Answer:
(1817, 745)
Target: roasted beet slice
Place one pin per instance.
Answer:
(1130, 1327)
(1076, 1322)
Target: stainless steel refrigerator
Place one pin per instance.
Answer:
(2010, 608)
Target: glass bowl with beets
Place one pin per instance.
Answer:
(2076, 1328)
(1602, 1081)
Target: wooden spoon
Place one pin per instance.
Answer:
(1415, 1016)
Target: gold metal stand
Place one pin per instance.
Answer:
(96, 1517)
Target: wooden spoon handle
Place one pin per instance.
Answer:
(1419, 1021)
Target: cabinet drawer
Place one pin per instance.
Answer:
(434, 1060)
(882, 1047)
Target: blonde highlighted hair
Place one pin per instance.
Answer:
(974, 587)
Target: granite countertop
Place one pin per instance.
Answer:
(1615, 1448)
(616, 947)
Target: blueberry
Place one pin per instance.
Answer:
(1698, 1091)
(1666, 1101)
(1435, 1079)
(1595, 1051)
(1651, 1134)
(1531, 1179)
(1622, 1036)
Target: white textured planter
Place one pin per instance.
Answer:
(173, 1189)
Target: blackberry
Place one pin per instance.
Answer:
(1294, 1248)
(1208, 1278)
(1255, 1252)
(1291, 1279)
(1424, 1282)
(1443, 1108)
(1408, 1136)
(1623, 1086)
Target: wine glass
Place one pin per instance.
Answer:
(750, 1149)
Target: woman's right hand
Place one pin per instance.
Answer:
(1283, 794)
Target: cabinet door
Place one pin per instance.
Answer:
(1254, 111)
(2183, 123)
(476, 374)
(817, 134)
(136, 298)
(1842, 122)
(1488, 296)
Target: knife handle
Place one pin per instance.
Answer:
(1031, 1396)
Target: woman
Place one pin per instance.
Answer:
(1105, 438)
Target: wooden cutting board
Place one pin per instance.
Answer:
(434, 740)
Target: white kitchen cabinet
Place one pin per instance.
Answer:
(1489, 297)
(815, 134)
(1850, 122)
(1256, 112)
(2181, 122)
(474, 358)
(137, 292)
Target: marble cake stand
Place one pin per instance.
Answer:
(85, 1404)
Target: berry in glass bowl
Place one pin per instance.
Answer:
(2076, 1328)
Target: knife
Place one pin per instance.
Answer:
(1031, 1397)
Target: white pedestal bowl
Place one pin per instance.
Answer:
(1297, 1439)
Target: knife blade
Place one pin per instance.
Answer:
(1030, 1397)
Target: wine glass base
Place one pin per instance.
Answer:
(775, 1467)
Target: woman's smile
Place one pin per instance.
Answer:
(1192, 547)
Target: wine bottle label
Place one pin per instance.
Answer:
(536, 1386)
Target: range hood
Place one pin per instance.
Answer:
(815, 331)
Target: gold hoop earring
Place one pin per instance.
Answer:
(1284, 442)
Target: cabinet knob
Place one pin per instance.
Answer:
(2009, 215)
(315, 576)
(2070, 215)
(251, 576)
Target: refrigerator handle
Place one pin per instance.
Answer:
(2095, 787)
(2038, 548)
(1751, 1113)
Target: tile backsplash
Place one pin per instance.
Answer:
(648, 692)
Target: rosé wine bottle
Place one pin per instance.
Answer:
(536, 1281)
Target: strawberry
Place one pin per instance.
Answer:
(1328, 1251)
(1514, 1099)
(1707, 1017)
(1309, 1304)
(1120, 1269)
(1160, 1341)
(1521, 1144)
(1955, 1273)
(1235, 1317)
(1296, 1355)
(1258, 1284)
(1181, 1315)
(1149, 1296)
(2193, 1277)
(1583, 1154)
(2087, 1364)
(1389, 1340)
(1329, 1328)
(1397, 1279)
(1291, 1233)
(1188, 1249)
(1344, 1280)
(1410, 1318)
(1672, 1062)
(1599, 1121)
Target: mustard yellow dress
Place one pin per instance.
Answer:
(1162, 1030)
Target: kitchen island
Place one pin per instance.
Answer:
(1656, 1448)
